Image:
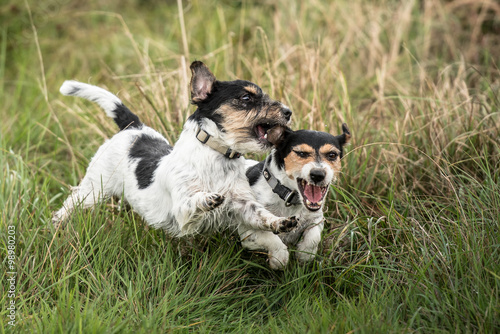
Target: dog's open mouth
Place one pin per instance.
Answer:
(313, 195)
(268, 133)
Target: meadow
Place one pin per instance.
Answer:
(412, 236)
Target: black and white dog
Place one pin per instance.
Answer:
(199, 185)
(294, 181)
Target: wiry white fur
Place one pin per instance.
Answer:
(306, 237)
(184, 180)
(105, 99)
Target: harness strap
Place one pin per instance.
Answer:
(291, 197)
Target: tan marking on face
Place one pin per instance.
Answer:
(236, 122)
(239, 124)
(327, 148)
(252, 89)
(303, 148)
(336, 164)
(276, 108)
(293, 161)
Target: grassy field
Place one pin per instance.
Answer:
(412, 237)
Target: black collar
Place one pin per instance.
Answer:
(206, 139)
(291, 197)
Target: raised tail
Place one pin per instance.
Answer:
(111, 104)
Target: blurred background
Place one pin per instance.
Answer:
(418, 73)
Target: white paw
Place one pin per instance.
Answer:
(278, 259)
(212, 201)
(305, 256)
(58, 218)
(284, 225)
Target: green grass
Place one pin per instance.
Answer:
(412, 238)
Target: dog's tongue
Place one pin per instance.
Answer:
(313, 193)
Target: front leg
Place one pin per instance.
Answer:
(257, 217)
(308, 246)
(209, 201)
(191, 209)
(267, 241)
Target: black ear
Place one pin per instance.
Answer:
(202, 81)
(345, 137)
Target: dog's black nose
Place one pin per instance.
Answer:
(287, 113)
(317, 174)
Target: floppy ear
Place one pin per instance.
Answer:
(345, 137)
(278, 134)
(202, 81)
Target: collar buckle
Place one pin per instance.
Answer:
(204, 136)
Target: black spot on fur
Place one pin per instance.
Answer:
(149, 150)
(253, 173)
(125, 119)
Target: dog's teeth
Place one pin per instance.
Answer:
(319, 203)
(308, 202)
(265, 136)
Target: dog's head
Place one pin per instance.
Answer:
(248, 119)
(312, 160)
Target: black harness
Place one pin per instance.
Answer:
(291, 197)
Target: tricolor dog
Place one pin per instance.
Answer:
(199, 185)
(294, 181)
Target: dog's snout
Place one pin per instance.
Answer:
(317, 174)
(287, 113)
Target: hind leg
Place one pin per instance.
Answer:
(84, 196)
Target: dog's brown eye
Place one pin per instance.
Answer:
(332, 155)
(246, 98)
(302, 154)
